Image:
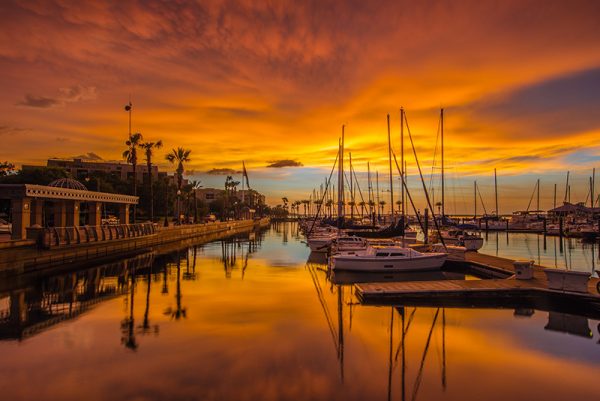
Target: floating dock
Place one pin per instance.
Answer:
(506, 292)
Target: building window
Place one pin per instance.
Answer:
(209, 196)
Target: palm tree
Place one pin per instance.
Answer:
(318, 204)
(352, 204)
(399, 204)
(179, 156)
(148, 148)
(381, 206)
(329, 204)
(296, 205)
(130, 154)
(362, 205)
(285, 203)
(305, 202)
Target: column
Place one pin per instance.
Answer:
(72, 212)
(18, 307)
(37, 211)
(123, 213)
(95, 213)
(60, 213)
(21, 217)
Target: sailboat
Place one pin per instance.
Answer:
(471, 241)
(387, 258)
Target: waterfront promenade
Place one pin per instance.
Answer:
(27, 257)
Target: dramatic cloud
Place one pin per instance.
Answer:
(222, 171)
(66, 95)
(38, 101)
(563, 105)
(8, 130)
(244, 80)
(284, 163)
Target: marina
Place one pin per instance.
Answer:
(287, 201)
(186, 308)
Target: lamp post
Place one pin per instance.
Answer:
(178, 212)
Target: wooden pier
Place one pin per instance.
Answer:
(495, 292)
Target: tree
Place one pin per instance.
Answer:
(381, 206)
(439, 207)
(362, 205)
(230, 198)
(285, 202)
(130, 154)
(305, 202)
(148, 150)
(6, 168)
(352, 204)
(329, 205)
(179, 156)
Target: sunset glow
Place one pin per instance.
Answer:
(262, 82)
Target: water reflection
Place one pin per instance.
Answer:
(288, 331)
(564, 253)
(36, 305)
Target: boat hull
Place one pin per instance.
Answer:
(373, 264)
(320, 245)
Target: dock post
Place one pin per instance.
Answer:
(426, 233)
(560, 227)
(545, 228)
(506, 225)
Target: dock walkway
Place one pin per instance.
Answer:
(497, 291)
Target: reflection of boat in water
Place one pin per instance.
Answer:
(389, 258)
(471, 241)
(317, 258)
(350, 277)
(340, 328)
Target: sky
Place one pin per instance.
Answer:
(271, 83)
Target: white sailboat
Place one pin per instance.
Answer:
(387, 258)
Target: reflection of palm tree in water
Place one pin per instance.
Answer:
(128, 324)
(190, 274)
(180, 311)
(145, 328)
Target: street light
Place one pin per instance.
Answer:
(178, 212)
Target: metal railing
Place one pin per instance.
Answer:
(60, 236)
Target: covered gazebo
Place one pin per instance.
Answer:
(67, 196)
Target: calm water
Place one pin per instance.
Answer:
(250, 320)
(573, 254)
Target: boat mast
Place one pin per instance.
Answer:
(554, 196)
(538, 196)
(593, 185)
(496, 192)
(351, 189)
(442, 137)
(391, 175)
(403, 170)
(377, 185)
(370, 190)
(566, 187)
(341, 182)
(475, 197)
